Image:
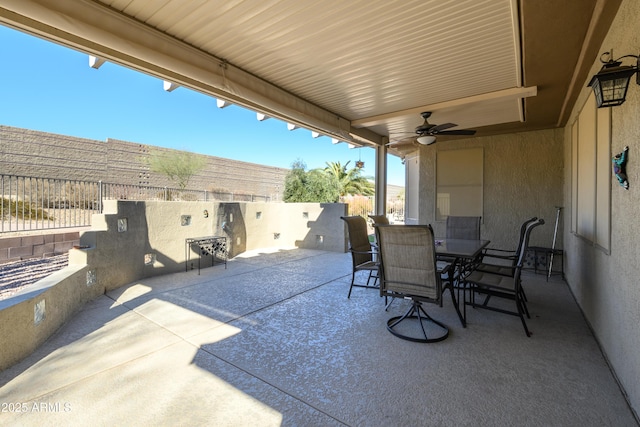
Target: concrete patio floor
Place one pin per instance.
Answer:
(272, 340)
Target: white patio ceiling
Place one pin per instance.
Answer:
(359, 70)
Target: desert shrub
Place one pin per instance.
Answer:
(21, 210)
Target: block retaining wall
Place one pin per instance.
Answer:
(37, 246)
(25, 152)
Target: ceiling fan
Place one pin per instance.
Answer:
(427, 132)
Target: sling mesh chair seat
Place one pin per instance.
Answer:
(463, 227)
(501, 286)
(408, 270)
(379, 219)
(363, 255)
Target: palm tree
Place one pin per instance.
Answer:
(350, 181)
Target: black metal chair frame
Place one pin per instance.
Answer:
(416, 312)
(479, 282)
(361, 260)
(506, 255)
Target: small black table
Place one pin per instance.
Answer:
(216, 246)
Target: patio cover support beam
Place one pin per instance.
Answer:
(99, 31)
(511, 93)
(381, 180)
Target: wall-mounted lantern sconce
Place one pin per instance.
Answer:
(611, 83)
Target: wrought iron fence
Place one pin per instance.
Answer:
(30, 203)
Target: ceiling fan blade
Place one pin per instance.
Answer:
(396, 136)
(404, 142)
(458, 132)
(438, 128)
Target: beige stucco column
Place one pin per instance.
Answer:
(412, 187)
(380, 207)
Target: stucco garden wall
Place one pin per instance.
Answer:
(132, 240)
(607, 285)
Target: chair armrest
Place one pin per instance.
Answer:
(496, 269)
(498, 252)
(372, 252)
(502, 254)
(443, 267)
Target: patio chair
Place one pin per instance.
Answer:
(463, 227)
(379, 219)
(501, 286)
(362, 252)
(510, 255)
(408, 270)
(503, 261)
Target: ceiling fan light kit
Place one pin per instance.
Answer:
(426, 139)
(426, 134)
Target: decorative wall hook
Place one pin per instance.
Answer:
(619, 168)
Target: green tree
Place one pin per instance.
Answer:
(294, 183)
(349, 181)
(315, 186)
(178, 166)
(322, 188)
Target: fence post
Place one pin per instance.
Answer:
(100, 195)
(165, 194)
(206, 198)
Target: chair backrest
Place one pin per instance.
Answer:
(408, 261)
(463, 227)
(523, 229)
(525, 241)
(379, 219)
(359, 244)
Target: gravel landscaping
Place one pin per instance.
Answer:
(15, 276)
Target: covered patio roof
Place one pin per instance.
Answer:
(358, 71)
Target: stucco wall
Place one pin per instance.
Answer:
(522, 178)
(155, 228)
(607, 286)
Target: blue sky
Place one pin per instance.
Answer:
(51, 88)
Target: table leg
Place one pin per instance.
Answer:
(456, 305)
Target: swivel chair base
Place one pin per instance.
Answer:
(416, 312)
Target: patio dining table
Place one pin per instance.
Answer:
(460, 253)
